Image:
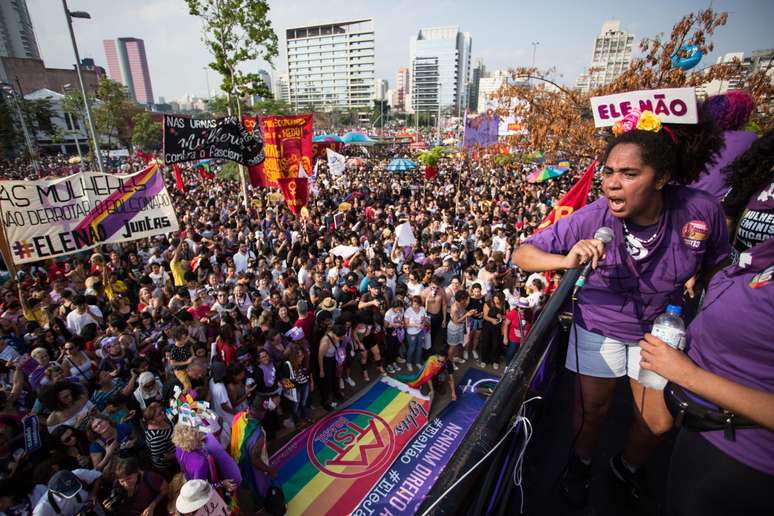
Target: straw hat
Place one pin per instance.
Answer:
(328, 304)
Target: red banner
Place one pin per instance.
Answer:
(295, 190)
(179, 178)
(430, 172)
(572, 201)
(287, 145)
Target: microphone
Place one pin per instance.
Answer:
(605, 234)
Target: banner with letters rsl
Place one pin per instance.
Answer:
(50, 218)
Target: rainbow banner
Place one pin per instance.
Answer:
(329, 467)
(50, 218)
(549, 172)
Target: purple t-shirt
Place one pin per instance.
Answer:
(714, 181)
(623, 296)
(743, 354)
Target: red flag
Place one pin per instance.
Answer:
(143, 155)
(572, 201)
(295, 190)
(179, 178)
(430, 172)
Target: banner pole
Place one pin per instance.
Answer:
(5, 249)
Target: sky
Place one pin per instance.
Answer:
(502, 31)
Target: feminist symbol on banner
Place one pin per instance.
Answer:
(361, 442)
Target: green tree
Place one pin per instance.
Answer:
(38, 115)
(270, 106)
(147, 132)
(235, 32)
(381, 108)
(115, 112)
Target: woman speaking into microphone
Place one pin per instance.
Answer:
(664, 233)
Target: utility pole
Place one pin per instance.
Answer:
(534, 48)
(84, 15)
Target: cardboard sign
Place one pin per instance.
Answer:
(405, 235)
(32, 440)
(671, 105)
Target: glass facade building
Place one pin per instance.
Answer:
(440, 69)
(331, 65)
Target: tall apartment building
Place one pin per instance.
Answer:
(402, 89)
(332, 65)
(282, 87)
(612, 55)
(380, 89)
(17, 38)
(479, 72)
(717, 86)
(440, 68)
(128, 64)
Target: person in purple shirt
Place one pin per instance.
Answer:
(663, 235)
(731, 111)
(729, 363)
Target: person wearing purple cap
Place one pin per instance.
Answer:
(722, 390)
(663, 234)
(731, 111)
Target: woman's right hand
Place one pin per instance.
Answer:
(584, 251)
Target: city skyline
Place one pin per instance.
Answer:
(503, 32)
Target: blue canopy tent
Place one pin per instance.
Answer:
(325, 138)
(354, 138)
(401, 165)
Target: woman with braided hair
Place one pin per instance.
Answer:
(663, 234)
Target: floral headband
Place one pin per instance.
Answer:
(642, 121)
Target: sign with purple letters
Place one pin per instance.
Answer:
(403, 487)
(670, 105)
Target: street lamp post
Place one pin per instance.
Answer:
(84, 15)
(75, 133)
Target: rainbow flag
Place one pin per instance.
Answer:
(549, 172)
(330, 467)
(137, 192)
(431, 368)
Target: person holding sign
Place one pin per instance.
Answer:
(664, 233)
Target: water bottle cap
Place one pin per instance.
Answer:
(674, 309)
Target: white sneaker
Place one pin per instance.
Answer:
(389, 369)
(410, 367)
(475, 355)
(456, 367)
(458, 360)
(496, 366)
(341, 384)
(465, 355)
(366, 378)
(481, 364)
(401, 360)
(350, 381)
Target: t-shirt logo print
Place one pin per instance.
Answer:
(694, 233)
(762, 278)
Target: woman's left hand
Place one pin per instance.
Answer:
(658, 356)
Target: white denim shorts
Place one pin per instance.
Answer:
(602, 357)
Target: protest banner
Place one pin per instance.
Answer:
(481, 130)
(287, 144)
(295, 190)
(671, 105)
(572, 201)
(329, 467)
(50, 218)
(336, 163)
(407, 481)
(405, 235)
(192, 139)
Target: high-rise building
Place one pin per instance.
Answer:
(479, 72)
(17, 39)
(440, 68)
(402, 89)
(128, 64)
(487, 87)
(611, 56)
(282, 87)
(332, 65)
(720, 86)
(266, 78)
(380, 89)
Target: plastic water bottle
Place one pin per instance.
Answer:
(670, 328)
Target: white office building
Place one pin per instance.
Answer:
(439, 60)
(612, 55)
(331, 65)
(282, 87)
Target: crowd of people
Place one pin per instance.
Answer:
(256, 311)
(264, 319)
